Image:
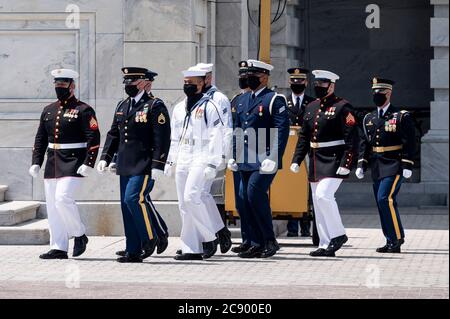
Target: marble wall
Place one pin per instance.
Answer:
(435, 144)
(165, 36)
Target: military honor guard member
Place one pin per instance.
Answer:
(196, 150)
(240, 205)
(140, 135)
(387, 147)
(297, 102)
(68, 132)
(328, 135)
(259, 113)
(223, 103)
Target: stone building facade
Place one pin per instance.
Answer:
(166, 36)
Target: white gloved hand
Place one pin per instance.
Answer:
(112, 167)
(295, 168)
(84, 170)
(232, 166)
(168, 170)
(210, 173)
(101, 166)
(34, 170)
(268, 166)
(359, 173)
(157, 174)
(407, 173)
(342, 171)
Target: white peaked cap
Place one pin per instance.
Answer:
(260, 65)
(65, 73)
(322, 74)
(207, 67)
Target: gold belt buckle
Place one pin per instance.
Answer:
(56, 146)
(314, 145)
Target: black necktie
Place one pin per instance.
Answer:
(253, 96)
(381, 113)
(133, 104)
(298, 102)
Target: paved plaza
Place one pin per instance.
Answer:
(421, 271)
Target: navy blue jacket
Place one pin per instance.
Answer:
(256, 117)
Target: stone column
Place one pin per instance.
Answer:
(435, 143)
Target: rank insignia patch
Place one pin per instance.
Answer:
(161, 119)
(93, 124)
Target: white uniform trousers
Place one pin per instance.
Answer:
(328, 219)
(63, 216)
(196, 224)
(214, 215)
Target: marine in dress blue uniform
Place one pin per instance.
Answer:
(387, 147)
(140, 135)
(258, 154)
(329, 136)
(68, 133)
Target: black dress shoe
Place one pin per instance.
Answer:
(391, 247)
(54, 254)
(305, 234)
(225, 243)
(305, 227)
(270, 249)
(80, 245)
(336, 243)
(130, 258)
(149, 248)
(395, 248)
(209, 249)
(241, 248)
(121, 253)
(252, 252)
(189, 257)
(322, 253)
(292, 234)
(162, 244)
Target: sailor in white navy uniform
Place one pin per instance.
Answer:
(68, 132)
(224, 105)
(196, 148)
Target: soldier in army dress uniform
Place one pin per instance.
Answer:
(68, 132)
(297, 102)
(387, 147)
(140, 135)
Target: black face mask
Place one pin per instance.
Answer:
(321, 92)
(62, 94)
(243, 83)
(131, 90)
(298, 88)
(379, 99)
(253, 82)
(190, 89)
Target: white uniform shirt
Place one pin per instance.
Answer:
(196, 140)
(224, 105)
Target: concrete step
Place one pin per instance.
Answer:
(13, 213)
(3, 189)
(34, 232)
